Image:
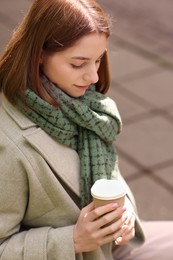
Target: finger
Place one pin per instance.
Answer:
(100, 211)
(112, 237)
(88, 208)
(113, 227)
(116, 223)
(129, 226)
(110, 217)
(125, 239)
(129, 231)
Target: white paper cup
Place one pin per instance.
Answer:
(108, 191)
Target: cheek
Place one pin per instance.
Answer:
(50, 68)
(59, 71)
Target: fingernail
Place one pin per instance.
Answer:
(118, 240)
(124, 207)
(124, 217)
(114, 205)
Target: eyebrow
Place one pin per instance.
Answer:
(85, 58)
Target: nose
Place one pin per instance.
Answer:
(91, 75)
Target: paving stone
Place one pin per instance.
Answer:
(165, 174)
(9, 7)
(153, 201)
(127, 168)
(155, 89)
(126, 106)
(10, 17)
(145, 23)
(5, 36)
(149, 142)
(124, 62)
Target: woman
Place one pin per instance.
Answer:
(56, 135)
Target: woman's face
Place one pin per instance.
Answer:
(75, 68)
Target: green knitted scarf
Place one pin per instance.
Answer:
(88, 124)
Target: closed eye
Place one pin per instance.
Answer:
(77, 66)
(98, 61)
(83, 64)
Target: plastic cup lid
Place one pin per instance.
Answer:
(108, 189)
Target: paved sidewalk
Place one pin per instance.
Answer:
(142, 65)
(141, 52)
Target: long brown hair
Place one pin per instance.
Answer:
(52, 26)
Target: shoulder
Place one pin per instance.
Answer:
(29, 142)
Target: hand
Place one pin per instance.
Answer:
(90, 231)
(129, 230)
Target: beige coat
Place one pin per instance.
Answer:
(39, 191)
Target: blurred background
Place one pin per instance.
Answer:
(141, 57)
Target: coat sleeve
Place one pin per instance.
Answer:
(39, 243)
(130, 202)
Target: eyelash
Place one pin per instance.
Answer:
(82, 65)
(76, 66)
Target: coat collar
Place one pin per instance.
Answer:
(22, 121)
(63, 160)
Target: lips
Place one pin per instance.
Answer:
(82, 87)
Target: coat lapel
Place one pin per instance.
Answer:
(63, 160)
